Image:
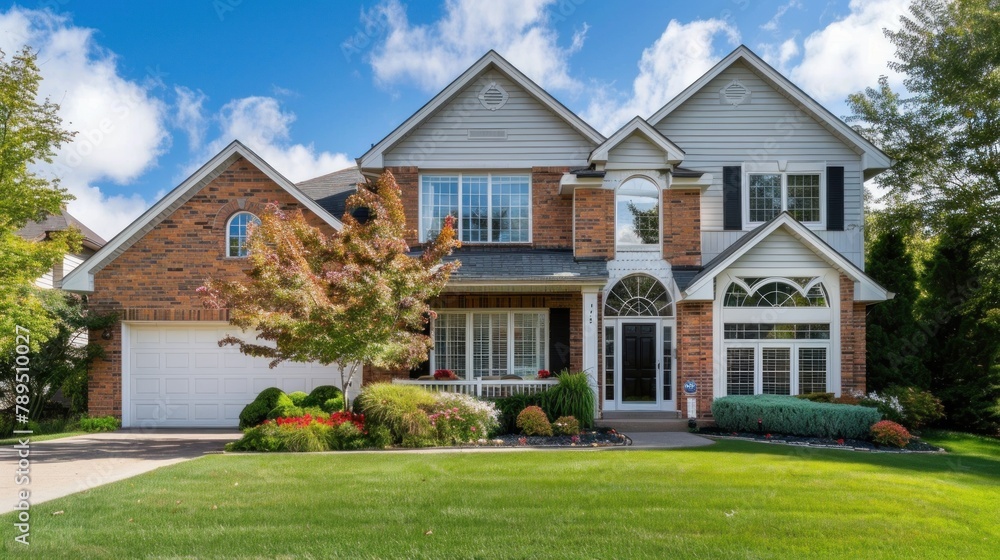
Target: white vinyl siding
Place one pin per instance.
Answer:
(779, 252)
(635, 152)
(768, 128)
(533, 135)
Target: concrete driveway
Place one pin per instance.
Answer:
(65, 466)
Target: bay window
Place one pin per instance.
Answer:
(490, 343)
(486, 207)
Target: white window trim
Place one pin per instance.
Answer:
(640, 247)
(469, 373)
(229, 223)
(789, 169)
(422, 235)
(758, 357)
(829, 315)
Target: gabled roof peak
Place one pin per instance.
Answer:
(874, 160)
(672, 152)
(373, 158)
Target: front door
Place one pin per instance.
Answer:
(639, 364)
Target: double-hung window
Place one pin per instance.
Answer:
(486, 207)
(801, 194)
(495, 342)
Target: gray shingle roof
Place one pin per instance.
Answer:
(331, 190)
(525, 264)
(61, 222)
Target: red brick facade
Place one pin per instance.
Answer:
(682, 227)
(853, 351)
(156, 278)
(695, 354)
(595, 223)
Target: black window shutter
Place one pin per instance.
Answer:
(423, 368)
(835, 198)
(558, 340)
(732, 199)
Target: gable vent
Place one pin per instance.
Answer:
(487, 134)
(493, 96)
(734, 94)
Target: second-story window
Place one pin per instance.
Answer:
(487, 207)
(637, 210)
(771, 193)
(236, 233)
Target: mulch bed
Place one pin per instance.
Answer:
(588, 438)
(915, 445)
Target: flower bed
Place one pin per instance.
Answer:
(914, 446)
(591, 438)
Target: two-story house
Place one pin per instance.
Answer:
(714, 248)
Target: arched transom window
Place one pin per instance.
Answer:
(236, 233)
(776, 292)
(638, 296)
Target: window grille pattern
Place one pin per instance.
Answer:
(638, 296)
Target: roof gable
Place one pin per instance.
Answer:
(874, 160)
(701, 286)
(82, 278)
(491, 61)
(637, 127)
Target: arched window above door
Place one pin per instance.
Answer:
(637, 214)
(638, 295)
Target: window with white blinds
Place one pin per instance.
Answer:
(491, 343)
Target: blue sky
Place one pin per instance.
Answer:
(156, 88)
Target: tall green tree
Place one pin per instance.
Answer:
(894, 340)
(944, 133)
(356, 297)
(30, 133)
(960, 320)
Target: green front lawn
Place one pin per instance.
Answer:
(35, 438)
(731, 499)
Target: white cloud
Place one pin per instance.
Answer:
(260, 123)
(779, 56)
(679, 57)
(189, 115)
(773, 24)
(850, 54)
(432, 55)
(121, 126)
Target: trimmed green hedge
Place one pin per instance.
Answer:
(789, 415)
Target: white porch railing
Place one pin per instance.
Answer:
(483, 389)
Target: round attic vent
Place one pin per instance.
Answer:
(735, 94)
(493, 96)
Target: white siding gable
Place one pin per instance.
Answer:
(779, 252)
(766, 128)
(635, 152)
(531, 134)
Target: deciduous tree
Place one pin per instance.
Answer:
(355, 297)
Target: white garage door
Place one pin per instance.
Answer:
(176, 375)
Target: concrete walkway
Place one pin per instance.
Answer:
(66, 466)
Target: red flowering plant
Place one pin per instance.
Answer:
(891, 434)
(445, 375)
(544, 374)
(333, 420)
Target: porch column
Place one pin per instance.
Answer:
(589, 343)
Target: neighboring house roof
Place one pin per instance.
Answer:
(513, 266)
(701, 286)
(873, 161)
(332, 190)
(372, 159)
(36, 231)
(674, 154)
(82, 278)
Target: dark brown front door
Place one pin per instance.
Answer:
(638, 363)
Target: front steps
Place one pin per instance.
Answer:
(626, 422)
